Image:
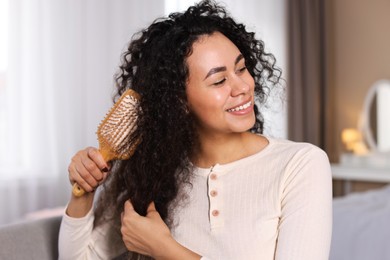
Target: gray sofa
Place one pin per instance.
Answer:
(30, 239)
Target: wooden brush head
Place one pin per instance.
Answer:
(115, 131)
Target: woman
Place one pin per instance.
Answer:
(204, 183)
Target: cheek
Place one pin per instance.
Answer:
(209, 98)
(217, 99)
(219, 96)
(207, 104)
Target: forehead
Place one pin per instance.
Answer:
(212, 51)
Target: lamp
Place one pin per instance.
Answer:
(353, 141)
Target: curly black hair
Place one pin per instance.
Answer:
(155, 66)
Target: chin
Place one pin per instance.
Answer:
(244, 126)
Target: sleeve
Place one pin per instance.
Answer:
(305, 225)
(79, 240)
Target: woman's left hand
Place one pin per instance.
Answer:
(145, 235)
(150, 235)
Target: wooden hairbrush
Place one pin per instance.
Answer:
(115, 130)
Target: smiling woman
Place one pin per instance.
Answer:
(205, 182)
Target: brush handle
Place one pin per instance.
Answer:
(77, 190)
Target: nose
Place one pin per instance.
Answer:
(239, 86)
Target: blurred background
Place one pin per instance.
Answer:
(58, 59)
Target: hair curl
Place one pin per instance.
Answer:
(155, 66)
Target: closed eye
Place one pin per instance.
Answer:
(219, 82)
(242, 69)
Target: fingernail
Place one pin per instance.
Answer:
(105, 169)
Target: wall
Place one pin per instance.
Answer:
(360, 55)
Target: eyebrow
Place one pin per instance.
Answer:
(223, 68)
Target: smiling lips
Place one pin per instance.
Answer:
(240, 108)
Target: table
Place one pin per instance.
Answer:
(349, 173)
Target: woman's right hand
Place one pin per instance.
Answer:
(88, 169)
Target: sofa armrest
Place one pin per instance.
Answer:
(30, 239)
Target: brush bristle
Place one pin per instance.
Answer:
(115, 130)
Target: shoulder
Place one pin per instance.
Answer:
(298, 159)
(304, 171)
(296, 150)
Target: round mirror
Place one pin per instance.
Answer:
(375, 118)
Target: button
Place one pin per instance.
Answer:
(215, 213)
(213, 193)
(213, 176)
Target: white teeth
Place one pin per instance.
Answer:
(240, 107)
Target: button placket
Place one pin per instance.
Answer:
(215, 199)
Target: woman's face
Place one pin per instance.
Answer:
(220, 90)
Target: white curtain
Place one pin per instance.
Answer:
(61, 61)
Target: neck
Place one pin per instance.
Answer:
(225, 148)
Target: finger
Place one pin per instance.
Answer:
(128, 206)
(74, 176)
(84, 171)
(97, 157)
(90, 171)
(104, 166)
(71, 173)
(151, 212)
(151, 207)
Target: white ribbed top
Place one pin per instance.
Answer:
(276, 204)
